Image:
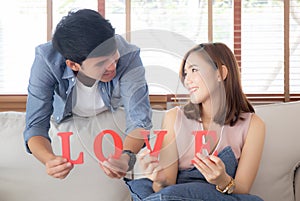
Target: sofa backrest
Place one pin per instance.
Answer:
(22, 177)
(281, 156)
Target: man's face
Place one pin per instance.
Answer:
(101, 68)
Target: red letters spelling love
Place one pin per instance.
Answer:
(118, 144)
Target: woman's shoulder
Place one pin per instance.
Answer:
(256, 126)
(172, 113)
(171, 116)
(257, 121)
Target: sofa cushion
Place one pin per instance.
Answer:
(22, 177)
(281, 152)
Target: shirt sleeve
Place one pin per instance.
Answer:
(135, 95)
(39, 100)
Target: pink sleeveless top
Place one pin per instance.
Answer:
(229, 136)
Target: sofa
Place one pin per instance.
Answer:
(23, 178)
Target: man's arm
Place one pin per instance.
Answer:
(117, 168)
(134, 141)
(41, 148)
(135, 98)
(56, 166)
(38, 111)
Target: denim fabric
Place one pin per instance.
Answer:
(51, 85)
(191, 185)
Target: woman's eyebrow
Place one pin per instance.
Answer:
(192, 65)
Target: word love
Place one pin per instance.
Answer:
(200, 143)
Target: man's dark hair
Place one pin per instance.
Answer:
(80, 32)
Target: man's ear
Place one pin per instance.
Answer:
(224, 72)
(73, 65)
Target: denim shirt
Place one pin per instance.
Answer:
(51, 84)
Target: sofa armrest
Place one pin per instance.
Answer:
(297, 184)
(276, 175)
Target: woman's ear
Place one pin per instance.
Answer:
(224, 72)
(73, 65)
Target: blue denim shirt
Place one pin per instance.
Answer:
(51, 84)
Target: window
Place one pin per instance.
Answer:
(61, 8)
(22, 27)
(264, 34)
(263, 47)
(256, 31)
(294, 37)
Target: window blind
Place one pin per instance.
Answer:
(295, 46)
(62, 7)
(263, 47)
(259, 42)
(22, 27)
(253, 29)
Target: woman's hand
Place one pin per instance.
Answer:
(150, 167)
(213, 169)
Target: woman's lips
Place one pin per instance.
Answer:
(193, 89)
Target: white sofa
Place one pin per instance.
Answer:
(23, 178)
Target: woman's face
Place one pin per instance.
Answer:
(201, 78)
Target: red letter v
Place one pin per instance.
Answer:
(159, 139)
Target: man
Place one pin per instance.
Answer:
(85, 70)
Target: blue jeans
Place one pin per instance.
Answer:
(190, 186)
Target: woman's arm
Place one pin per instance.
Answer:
(250, 156)
(168, 158)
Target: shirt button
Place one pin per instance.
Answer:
(57, 118)
(73, 79)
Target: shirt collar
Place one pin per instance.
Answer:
(68, 73)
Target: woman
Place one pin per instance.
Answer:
(224, 164)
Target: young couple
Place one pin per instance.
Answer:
(87, 69)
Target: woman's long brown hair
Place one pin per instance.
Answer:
(236, 101)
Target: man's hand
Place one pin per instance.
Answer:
(58, 167)
(116, 168)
